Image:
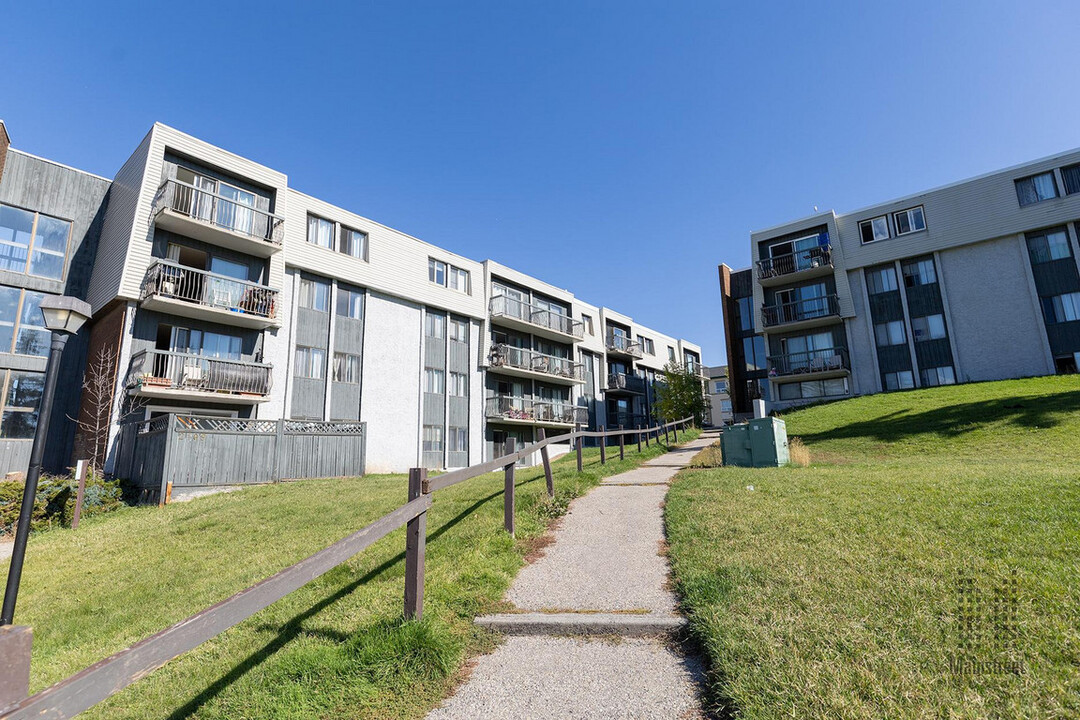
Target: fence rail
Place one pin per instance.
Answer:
(104, 678)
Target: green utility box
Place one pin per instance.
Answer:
(758, 443)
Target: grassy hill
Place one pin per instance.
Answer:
(926, 564)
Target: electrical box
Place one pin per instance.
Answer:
(758, 443)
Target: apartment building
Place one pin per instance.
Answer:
(217, 289)
(721, 411)
(977, 280)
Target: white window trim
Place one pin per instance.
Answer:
(888, 229)
(908, 211)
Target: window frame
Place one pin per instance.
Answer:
(312, 282)
(308, 364)
(430, 374)
(353, 294)
(333, 231)
(348, 361)
(6, 405)
(870, 222)
(1037, 200)
(889, 326)
(908, 212)
(366, 238)
(30, 246)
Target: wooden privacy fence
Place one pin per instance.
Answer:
(196, 451)
(106, 677)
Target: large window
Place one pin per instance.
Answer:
(931, 327)
(746, 313)
(350, 303)
(32, 243)
(310, 362)
(880, 280)
(874, 229)
(459, 330)
(353, 243)
(646, 344)
(22, 327)
(459, 279)
(347, 368)
(902, 380)
(436, 271)
(909, 221)
(1061, 308)
(890, 333)
(314, 294)
(938, 376)
(459, 384)
(919, 272)
(754, 352)
(434, 381)
(1050, 245)
(1036, 188)
(1071, 176)
(435, 326)
(459, 439)
(320, 231)
(433, 438)
(18, 420)
(812, 389)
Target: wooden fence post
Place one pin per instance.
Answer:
(415, 545)
(603, 447)
(622, 444)
(577, 428)
(15, 641)
(508, 490)
(639, 437)
(279, 449)
(667, 438)
(547, 463)
(648, 434)
(80, 494)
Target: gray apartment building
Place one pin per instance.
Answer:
(977, 280)
(219, 290)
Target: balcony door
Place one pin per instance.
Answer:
(807, 352)
(799, 250)
(196, 196)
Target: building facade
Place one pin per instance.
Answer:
(973, 281)
(217, 289)
(721, 409)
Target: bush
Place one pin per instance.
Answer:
(798, 453)
(54, 504)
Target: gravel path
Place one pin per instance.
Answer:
(605, 559)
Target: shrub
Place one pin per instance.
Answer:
(54, 504)
(798, 453)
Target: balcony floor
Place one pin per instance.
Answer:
(173, 221)
(811, 375)
(169, 393)
(543, 331)
(534, 423)
(225, 316)
(803, 324)
(535, 375)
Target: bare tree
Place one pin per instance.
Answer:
(95, 414)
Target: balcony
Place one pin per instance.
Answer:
(216, 219)
(529, 363)
(173, 375)
(819, 364)
(529, 411)
(172, 288)
(624, 383)
(622, 345)
(535, 319)
(813, 262)
(812, 312)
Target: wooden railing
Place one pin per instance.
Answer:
(107, 677)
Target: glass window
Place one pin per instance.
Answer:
(1071, 176)
(353, 243)
(670, 353)
(219, 345)
(36, 249)
(931, 327)
(874, 229)
(435, 325)
(919, 272)
(310, 362)
(1061, 308)
(938, 376)
(890, 333)
(50, 247)
(459, 279)
(909, 221)
(314, 294)
(903, 380)
(746, 313)
(881, 280)
(459, 384)
(32, 337)
(790, 391)
(459, 330)
(9, 315)
(754, 352)
(350, 303)
(320, 232)
(1036, 188)
(586, 320)
(436, 271)
(434, 381)
(346, 368)
(433, 438)
(20, 413)
(1047, 246)
(459, 439)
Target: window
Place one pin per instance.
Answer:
(32, 243)
(320, 232)
(205, 343)
(671, 353)
(1061, 308)
(812, 389)
(725, 406)
(350, 303)
(459, 384)
(346, 368)
(310, 362)
(435, 326)
(874, 229)
(1036, 188)
(22, 327)
(459, 330)
(353, 243)
(646, 344)
(1071, 176)
(938, 376)
(20, 412)
(902, 380)
(433, 438)
(719, 386)
(586, 320)
(909, 221)
(1047, 246)
(931, 327)
(459, 439)
(434, 381)
(436, 271)
(459, 279)
(746, 313)
(918, 272)
(314, 294)
(754, 352)
(890, 333)
(881, 280)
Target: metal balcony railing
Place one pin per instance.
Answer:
(534, 410)
(185, 371)
(219, 211)
(626, 382)
(820, 256)
(811, 361)
(167, 279)
(508, 356)
(501, 305)
(626, 419)
(623, 344)
(808, 309)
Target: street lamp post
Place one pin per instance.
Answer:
(64, 316)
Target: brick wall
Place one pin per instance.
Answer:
(5, 142)
(102, 361)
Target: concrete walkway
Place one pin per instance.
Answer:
(593, 635)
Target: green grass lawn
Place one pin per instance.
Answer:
(845, 589)
(335, 648)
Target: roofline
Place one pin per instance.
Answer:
(59, 164)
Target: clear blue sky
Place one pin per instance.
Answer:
(618, 149)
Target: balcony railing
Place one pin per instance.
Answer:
(184, 371)
(820, 256)
(625, 382)
(626, 420)
(501, 305)
(167, 279)
(534, 410)
(623, 344)
(811, 361)
(503, 355)
(219, 211)
(808, 309)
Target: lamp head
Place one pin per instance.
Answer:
(64, 314)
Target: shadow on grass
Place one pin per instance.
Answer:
(956, 420)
